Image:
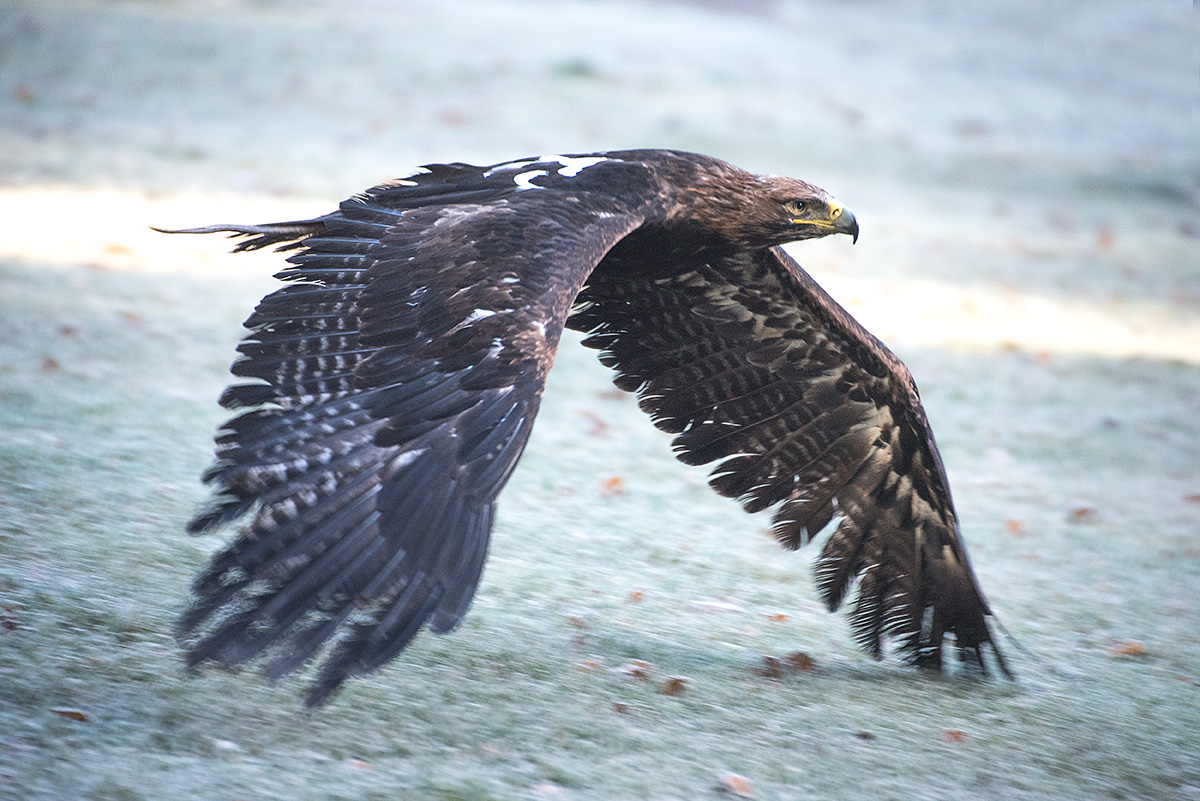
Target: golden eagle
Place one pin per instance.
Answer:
(398, 373)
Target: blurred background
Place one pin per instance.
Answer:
(1027, 179)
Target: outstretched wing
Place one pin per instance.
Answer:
(397, 377)
(754, 366)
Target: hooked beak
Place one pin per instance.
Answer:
(842, 221)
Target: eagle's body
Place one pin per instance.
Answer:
(400, 371)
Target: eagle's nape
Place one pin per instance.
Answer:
(396, 376)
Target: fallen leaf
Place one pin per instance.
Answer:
(801, 661)
(68, 330)
(737, 784)
(8, 617)
(1192, 498)
(612, 487)
(635, 669)
(23, 94)
(1016, 528)
(620, 707)
(595, 663)
(50, 364)
(1105, 236)
(865, 735)
(676, 685)
(776, 617)
(1127, 648)
(636, 596)
(954, 736)
(72, 713)
(776, 668)
(1082, 514)
(771, 668)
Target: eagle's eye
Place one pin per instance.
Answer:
(799, 206)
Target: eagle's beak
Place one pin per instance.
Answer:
(843, 221)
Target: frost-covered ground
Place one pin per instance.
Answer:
(1027, 179)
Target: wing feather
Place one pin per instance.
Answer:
(397, 377)
(751, 364)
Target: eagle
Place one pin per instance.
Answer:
(395, 377)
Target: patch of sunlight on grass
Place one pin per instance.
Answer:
(110, 231)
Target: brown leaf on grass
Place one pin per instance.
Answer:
(737, 784)
(1016, 528)
(865, 735)
(72, 713)
(1082, 514)
(591, 664)
(620, 707)
(676, 685)
(1192, 497)
(776, 668)
(801, 661)
(636, 596)
(23, 94)
(1127, 648)
(954, 736)
(1105, 236)
(68, 330)
(635, 669)
(771, 668)
(612, 487)
(50, 364)
(776, 617)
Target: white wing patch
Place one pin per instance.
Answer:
(569, 167)
(524, 180)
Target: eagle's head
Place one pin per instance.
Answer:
(757, 211)
(790, 210)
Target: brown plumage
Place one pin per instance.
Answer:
(397, 375)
